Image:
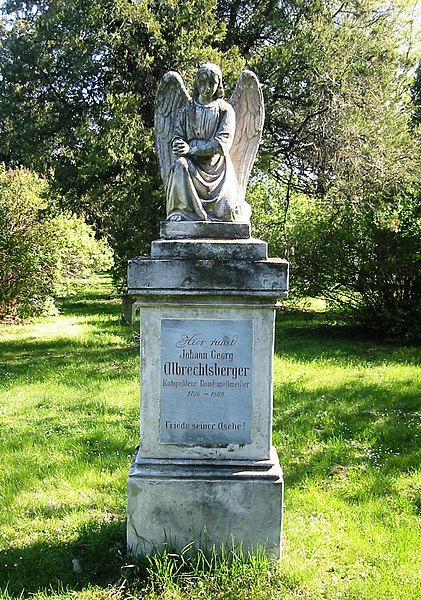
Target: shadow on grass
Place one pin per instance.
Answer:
(41, 361)
(64, 418)
(365, 426)
(96, 558)
(336, 428)
(369, 430)
(88, 453)
(89, 305)
(106, 350)
(308, 337)
(103, 351)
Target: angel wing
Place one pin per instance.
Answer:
(247, 101)
(170, 97)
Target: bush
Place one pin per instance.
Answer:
(41, 249)
(79, 253)
(365, 260)
(268, 200)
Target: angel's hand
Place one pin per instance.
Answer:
(180, 147)
(205, 148)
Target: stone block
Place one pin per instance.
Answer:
(206, 380)
(250, 250)
(171, 505)
(205, 471)
(152, 276)
(177, 230)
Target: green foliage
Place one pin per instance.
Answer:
(269, 201)
(366, 261)
(339, 131)
(77, 100)
(41, 249)
(26, 246)
(335, 75)
(85, 83)
(78, 252)
(363, 258)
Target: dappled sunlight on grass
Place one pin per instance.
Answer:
(58, 328)
(347, 415)
(69, 416)
(46, 562)
(346, 426)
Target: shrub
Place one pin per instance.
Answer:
(79, 253)
(365, 260)
(269, 207)
(41, 249)
(363, 257)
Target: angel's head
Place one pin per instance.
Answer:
(209, 77)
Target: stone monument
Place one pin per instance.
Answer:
(205, 471)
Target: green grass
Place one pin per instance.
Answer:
(346, 425)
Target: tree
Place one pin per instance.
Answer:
(325, 66)
(83, 76)
(416, 96)
(335, 76)
(338, 130)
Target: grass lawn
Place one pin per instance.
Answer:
(346, 425)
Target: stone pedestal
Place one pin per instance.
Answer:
(205, 470)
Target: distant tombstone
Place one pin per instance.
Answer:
(205, 471)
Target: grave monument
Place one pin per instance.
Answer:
(205, 471)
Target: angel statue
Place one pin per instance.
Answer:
(206, 146)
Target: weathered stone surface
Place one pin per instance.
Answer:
(206, 146)
(254, 388)
(267, 278)
(212, 230)
(128, 309)
(214, 504)
(205, 470)
(206, 382)
(250, 249)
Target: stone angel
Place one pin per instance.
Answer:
(206, 146)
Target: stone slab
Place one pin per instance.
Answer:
(266, 278)
(128, 309)
(233, 468)
(207, 383)
(210, 249)
(206, 380)
(172, 505)
(172, 230)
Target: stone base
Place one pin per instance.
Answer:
(178, 230)
(162, 277)
(251, 249)
(237, 504)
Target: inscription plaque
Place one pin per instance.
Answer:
(206, 381)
